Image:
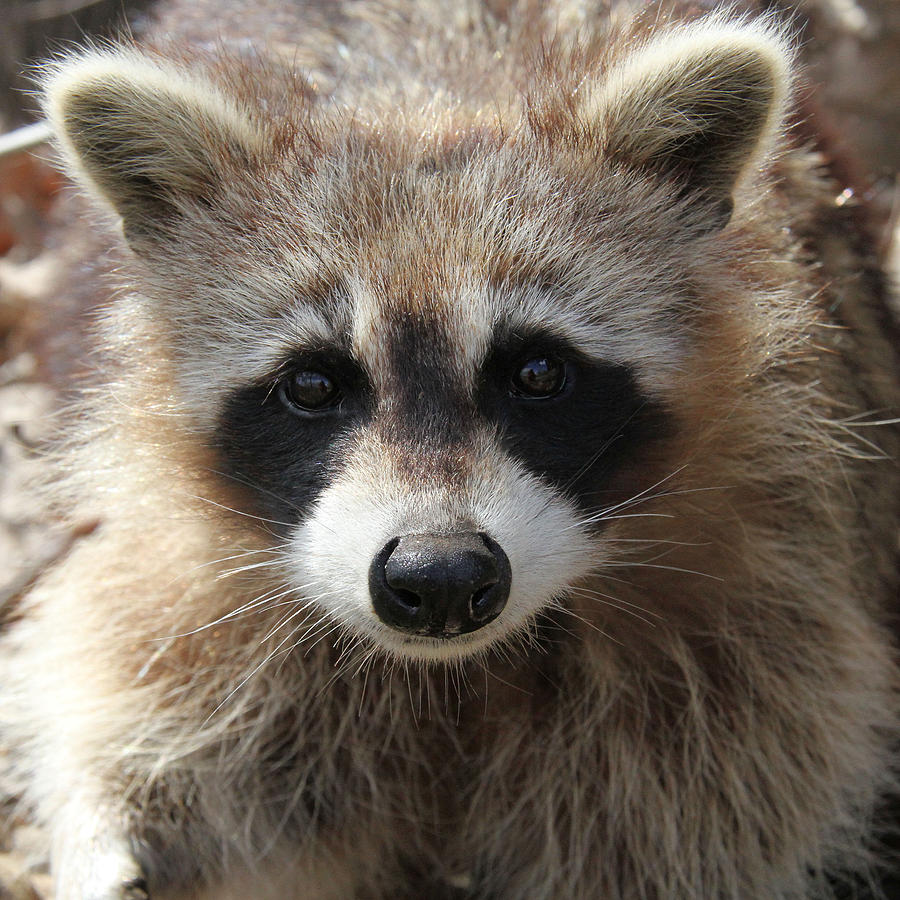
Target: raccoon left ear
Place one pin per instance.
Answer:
(146, 135)
(697, 106)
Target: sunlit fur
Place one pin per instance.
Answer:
(691, 691)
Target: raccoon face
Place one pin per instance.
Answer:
(431, 486)
(442, 362)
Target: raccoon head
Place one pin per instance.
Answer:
(438, 363)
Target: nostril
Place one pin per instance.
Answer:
(408, 599)
(482, 602)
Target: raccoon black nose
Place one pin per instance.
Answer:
(439, 584)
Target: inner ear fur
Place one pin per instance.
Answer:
(146, 136)
(698, 105)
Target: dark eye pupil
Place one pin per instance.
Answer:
(311, 390)
(542, 376)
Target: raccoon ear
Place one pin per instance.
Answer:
(697, 106)
(146, 136)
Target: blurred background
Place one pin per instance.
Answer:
(852, 50)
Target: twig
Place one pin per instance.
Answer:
(24, 138)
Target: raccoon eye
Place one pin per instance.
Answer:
(539, 378)
(309, 391)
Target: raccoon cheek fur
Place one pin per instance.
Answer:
(485, 504)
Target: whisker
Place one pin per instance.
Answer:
(592, 519)
(628, 564)
(603, 516)
(246, 482)
(240, 554)
(263, 564)
(646, 490)
(616, 603)
(304, 605)
(591, 625)
(320, 631)
(241, 512)
(234, 613)
(271, 598)
(234, 691)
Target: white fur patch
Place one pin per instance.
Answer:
(368, 506)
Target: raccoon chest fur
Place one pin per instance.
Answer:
(493, 442)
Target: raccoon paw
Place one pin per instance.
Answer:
(131, 889)
(93, 853)
(135, 889)
(101, 876)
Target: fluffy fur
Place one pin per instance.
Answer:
(691, 691)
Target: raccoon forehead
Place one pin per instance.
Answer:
(452, 328)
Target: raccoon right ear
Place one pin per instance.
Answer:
(147, 136)
(696, 105)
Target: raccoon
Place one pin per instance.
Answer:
(493, 455)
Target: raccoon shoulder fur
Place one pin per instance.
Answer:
(494, 461)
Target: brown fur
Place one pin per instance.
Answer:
(710, 712)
